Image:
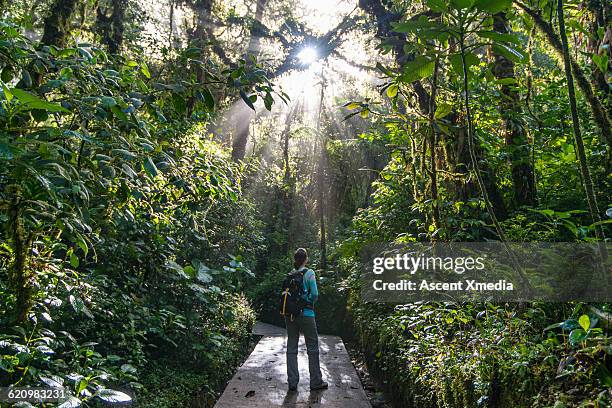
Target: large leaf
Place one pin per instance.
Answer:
(585, 322)
(177, 268)
(492, 6)
(71, 402)
(204, 275)
(510, 53)
(577, 335)
(247, 100)
(109, 395)
(442, 110)
(52, 381)
(419, 68)
(31, 102)
(392, 90)
(602, 62)
(470, 60)
(208, 98)
(499, 37)
(150, 167)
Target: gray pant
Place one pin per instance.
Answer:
(308, 327)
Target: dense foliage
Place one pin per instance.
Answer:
(121, 219)
(155, 180)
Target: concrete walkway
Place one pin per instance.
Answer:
(262, 380)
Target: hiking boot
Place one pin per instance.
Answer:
(322, 386)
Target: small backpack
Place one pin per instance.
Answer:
(292, 302)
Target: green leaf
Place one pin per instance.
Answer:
(470, 60)
(392, 90)
(108, 101)
(601, 61)
(7, 74)
(268, 101)
(204, 275)
(128, 368)
(109, 395)
(246, 100)
(442, 110)
(76, 303)
(52, 381)
(352, 105)
(30, 101)
(145, 70)
(499, 37)
(492, 6)
(422, 27)
(585, 322)
(577, 335)
(119, 113)
(74, 260)
(419, 68)
(71, 402)
(209, 100)
(8, 95)
(124, 153)
(510, 53)
(177, 268)
(150, 167)
(190, 270)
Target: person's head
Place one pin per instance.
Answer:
(300, 257)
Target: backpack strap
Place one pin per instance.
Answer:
(308, 305)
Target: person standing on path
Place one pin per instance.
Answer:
(304, 323)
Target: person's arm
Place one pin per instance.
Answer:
(311, 284)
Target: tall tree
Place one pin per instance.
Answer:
(584, 168)
(322, 180)
(110, 17)
(515, 134)
(57, 23)
(600, 44)
(241, 132)
(384, 31)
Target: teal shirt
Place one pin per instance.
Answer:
(311, 293)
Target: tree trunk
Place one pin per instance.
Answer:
(601, 19)
(21, 280)
(584, 168)
(57, 23)
(241, 133)
(109, 21)
(321, 184)
(286, 136)
(515, 134)
(432, 149)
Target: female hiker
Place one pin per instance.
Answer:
(302, 320)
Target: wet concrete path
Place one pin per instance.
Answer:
(262, 380)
